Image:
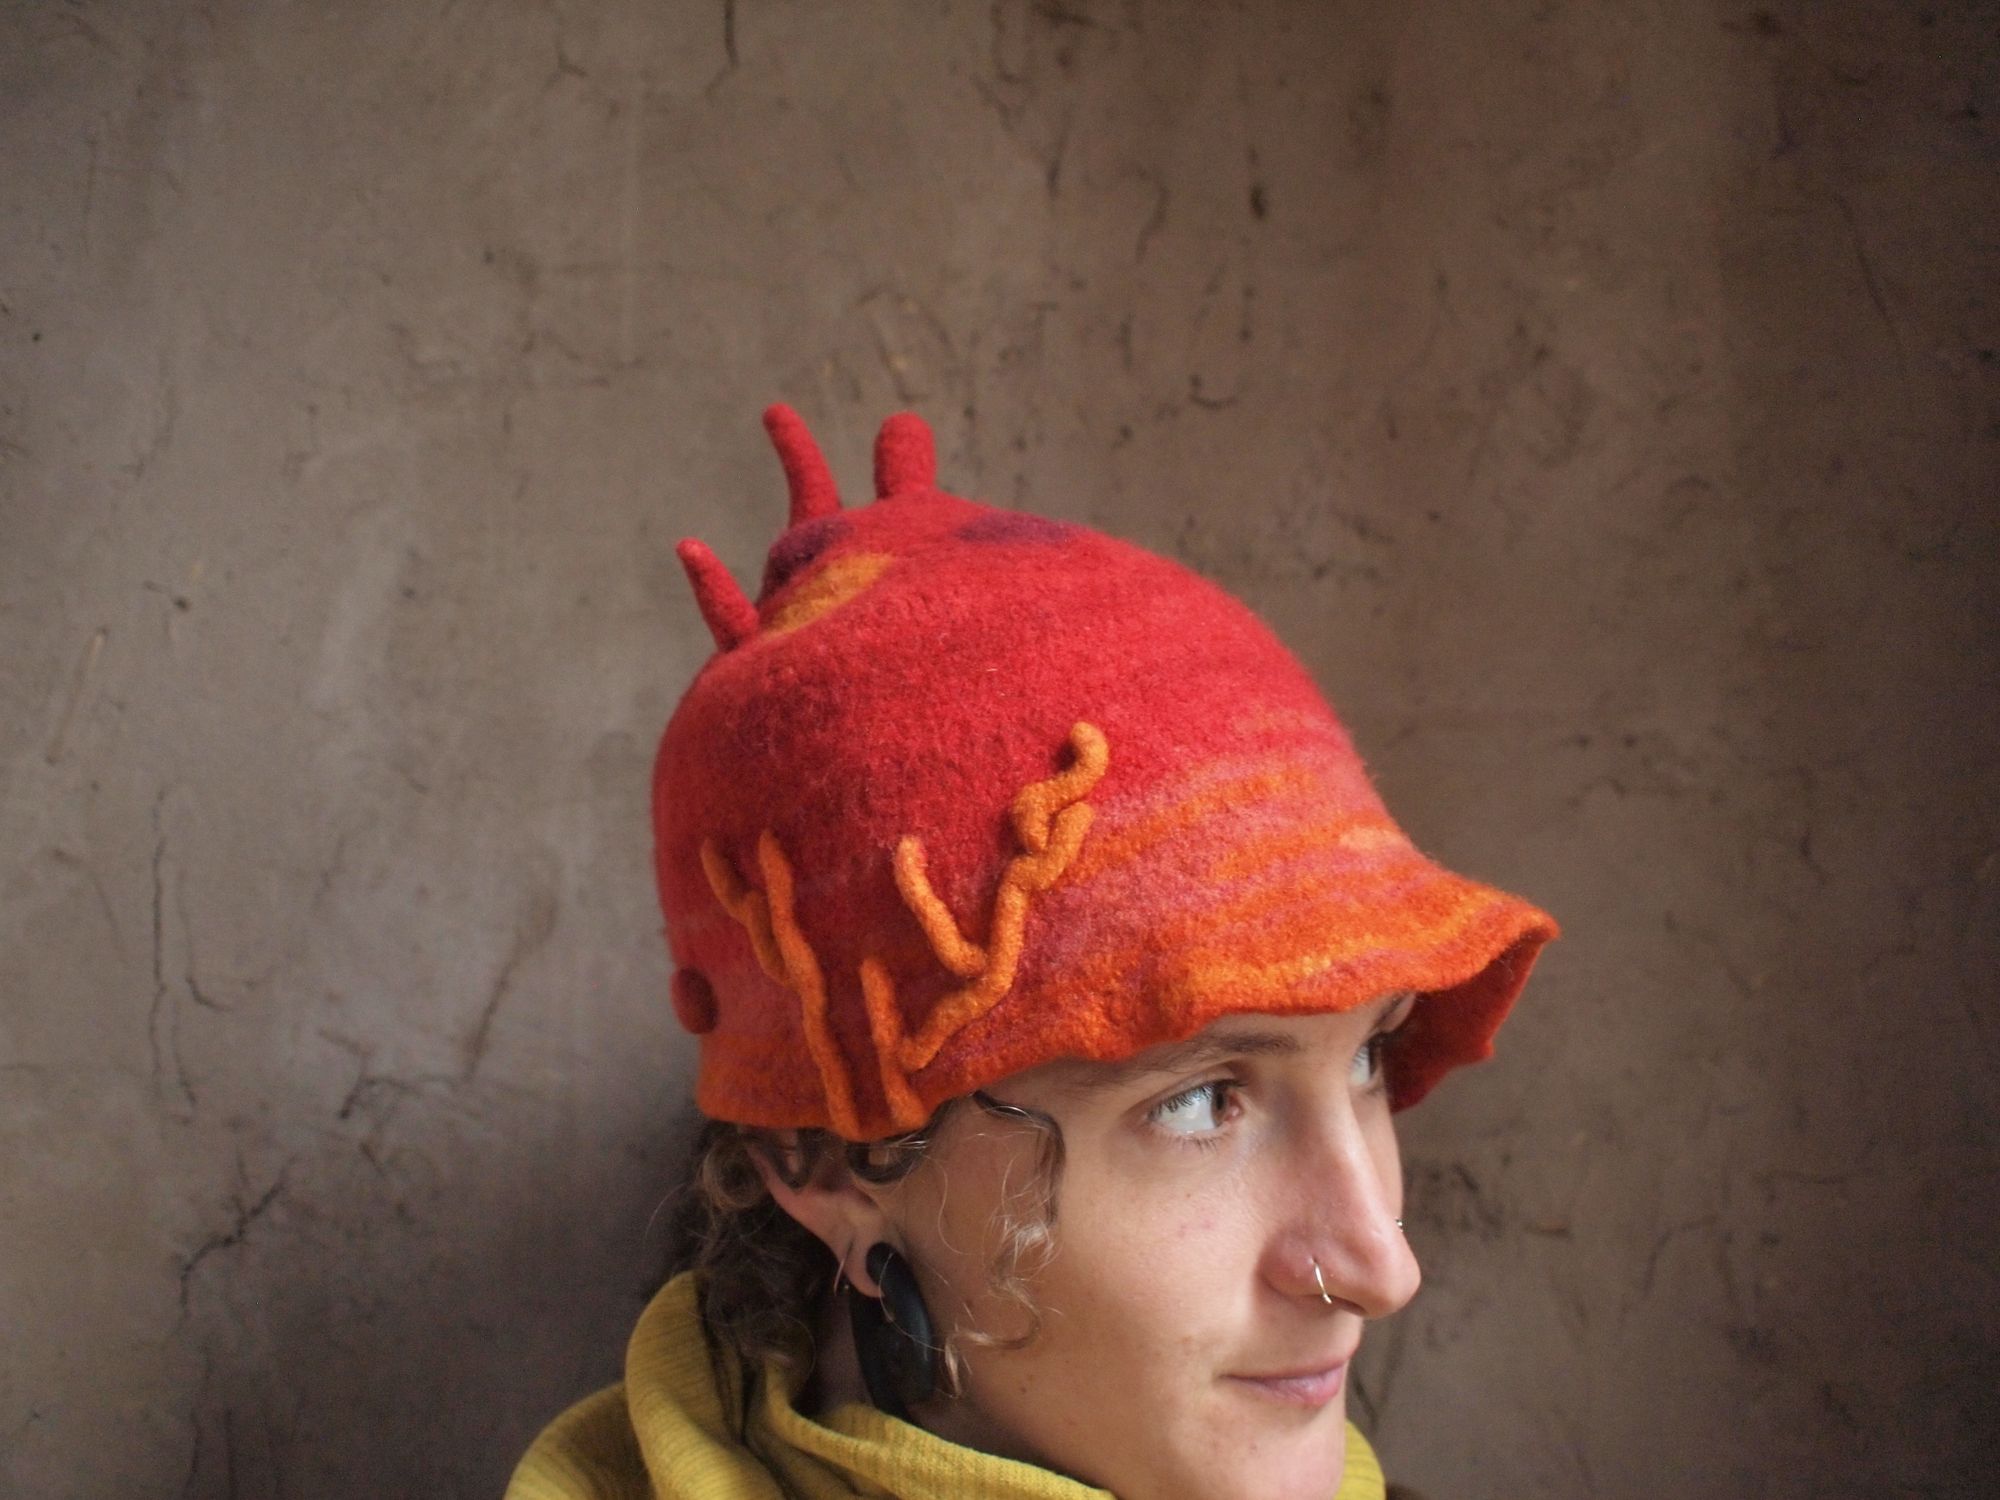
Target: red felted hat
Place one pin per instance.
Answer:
(966, 791)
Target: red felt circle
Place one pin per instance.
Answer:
(694, 1001)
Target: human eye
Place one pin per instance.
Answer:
(1366, 1073)
(1194, 1112)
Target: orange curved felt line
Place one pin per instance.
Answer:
(1038, 802)
(1371, 831)
(828, 589)
(955, 951)
(1213, 941)
(1331, 899)
(1040, 871)
(885, 1029)
(1051, 822)
(803, 967)
(1307, 903)
(962, 1007)
(1222, 968)
(1371, 836)
(747, 906)
(1237, 791)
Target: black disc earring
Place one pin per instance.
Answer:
(892, 1337)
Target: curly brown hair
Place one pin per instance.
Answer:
(765, 1276)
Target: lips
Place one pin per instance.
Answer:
(1311, 1387)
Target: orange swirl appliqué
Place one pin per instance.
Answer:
(1050, 818)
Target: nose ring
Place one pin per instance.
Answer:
(1324, 1295)
(1320, 1281)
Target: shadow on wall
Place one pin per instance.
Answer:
(1859, 921)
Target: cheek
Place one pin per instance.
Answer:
(1167, 1274)
(1152, 1283)
(970, 1224)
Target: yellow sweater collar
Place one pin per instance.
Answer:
(685, 1425)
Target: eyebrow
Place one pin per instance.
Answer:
(1082, 1079)
(1090, 1078)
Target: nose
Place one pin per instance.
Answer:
(1344, 1245)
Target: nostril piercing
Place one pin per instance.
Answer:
(1324, 1295)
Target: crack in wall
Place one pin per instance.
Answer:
(533, 930)
(163, 1017)
(247, 1216)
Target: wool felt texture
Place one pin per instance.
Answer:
(686, 1424)
(965, 790)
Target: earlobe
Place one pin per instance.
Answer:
(899, 1354)
(833, 1205)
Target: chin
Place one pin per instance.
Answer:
(1310, 1477)
(1245, 1465)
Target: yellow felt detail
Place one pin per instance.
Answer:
(828, 589)
(802, 965)
(1051, 820)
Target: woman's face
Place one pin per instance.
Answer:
(1211, 1189)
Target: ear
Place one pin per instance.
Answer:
(839, 1209)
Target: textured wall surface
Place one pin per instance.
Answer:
(1604, 399)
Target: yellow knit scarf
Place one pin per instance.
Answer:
(671, 1432)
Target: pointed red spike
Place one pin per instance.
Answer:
(731, 617)
(810, 480)
(905, 456)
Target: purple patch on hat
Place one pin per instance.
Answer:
(1012, 526)
(798, 547)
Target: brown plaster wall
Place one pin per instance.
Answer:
(1602, 399)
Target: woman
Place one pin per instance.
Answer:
(1056, 971)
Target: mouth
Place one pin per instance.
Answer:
(1309, 1388)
